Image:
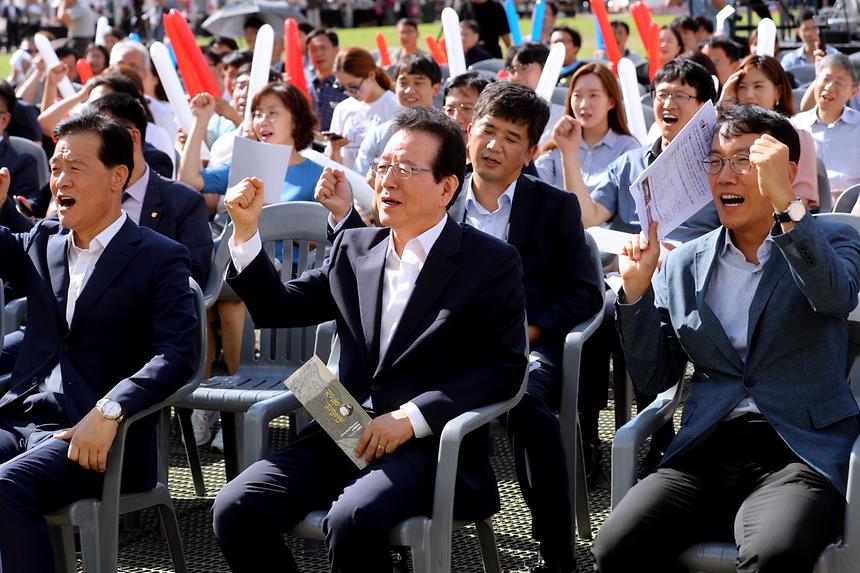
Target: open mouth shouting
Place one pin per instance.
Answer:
(65, 203)
(266, 135)
(669, 119)
(730, 201)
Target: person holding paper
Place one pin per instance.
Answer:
(402, 296)
(769, 421)
(595, 110)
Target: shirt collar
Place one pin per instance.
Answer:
(506, 198)
(654, 151)
(137, 191)
(729, 249)
(609, 139)
(418, 248)
(100, 241)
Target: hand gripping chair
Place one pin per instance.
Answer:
(842, 556)
(261, 371)
(429, 538)
(98, 519)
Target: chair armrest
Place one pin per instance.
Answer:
(628, 438)
(324, 340)
(571, 361)
(14, 315)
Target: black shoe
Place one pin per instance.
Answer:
(543, 567)
(593, 455)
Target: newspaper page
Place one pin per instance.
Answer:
(331, 405)
(675, 186)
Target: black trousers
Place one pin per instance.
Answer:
(743, 480)
(535, 437)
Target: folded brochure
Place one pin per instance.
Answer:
(331, 405)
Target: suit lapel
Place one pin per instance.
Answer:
(368, 272)
(58, 269)
(774, 270)
(706, 259)
(523, 211)
(431, 283)
(150, 212)
(112, 261)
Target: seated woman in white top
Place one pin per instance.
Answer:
(371, 102)
(594, 102)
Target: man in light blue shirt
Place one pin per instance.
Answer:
(834, 126)
(807, 31)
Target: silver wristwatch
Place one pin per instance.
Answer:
(110, 409)
(792, 214)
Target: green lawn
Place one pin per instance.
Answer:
(366, 37)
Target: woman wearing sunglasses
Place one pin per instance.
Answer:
(370, 103)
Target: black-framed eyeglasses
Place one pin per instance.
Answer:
(402, 169)
(740, 164)
(678, 98)
(353, 90)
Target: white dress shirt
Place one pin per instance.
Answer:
(398, 282)
(81, 265)
(730, 292)
(495, 223)
(133, 197)
(835, 144)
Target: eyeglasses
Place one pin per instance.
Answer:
(403, 170)
(678, 98)
(464, 108)
(518, 68)
(353, 90)
(837, 83)
(740, 164)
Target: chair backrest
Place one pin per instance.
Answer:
(22, 145)
(825, 200)
(845, 202)
(648, 112)
(797, 94)
(559, 95)
(493, 65)
(298, 230)
(803, 74)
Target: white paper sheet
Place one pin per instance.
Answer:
(266, 161)
(675, 186)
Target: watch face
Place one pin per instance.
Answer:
(111, 409)
(796, 210)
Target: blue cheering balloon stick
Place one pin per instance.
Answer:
(513, 22)
(537, 20)
(598, 37)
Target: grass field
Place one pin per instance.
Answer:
(366, 37)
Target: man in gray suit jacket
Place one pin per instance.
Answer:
(760, 310)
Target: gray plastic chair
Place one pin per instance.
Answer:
(568, 417)
(845, 202)
(429, 538)
(825, 200)
(25, 146)
(493, 65)
(797, 95)
(261, 371)
(98, 519)
(804, 74)
(559, 95)
(842, 556)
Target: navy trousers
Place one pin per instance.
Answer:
(252, 511)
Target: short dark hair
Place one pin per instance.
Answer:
(620, 24)
(553, 7)
(64, 51)
(469, 80)
(122, 81)
(527, 53)
(305, 28)
(237, 59)
(451, 157)
(419, 65)
(514, 102)
(7, 94)
(729, 47)
(225, 41)
(704, 22)
(738, 120)
(411, 22)
(575, 37)
(253, 22)
(472, 25)
(213, 58)
(124, 109)
(689, 73)
(685, 23)
(304, 120)
(327, 32)
(116, 145)
(806, 15)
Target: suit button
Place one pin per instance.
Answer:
(64, 347)
(374, 386)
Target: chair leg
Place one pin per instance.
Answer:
(170, 529)
(63, 544)
(93, 547)
(184, 416)
(421, 558)
(583, 519)
(489, 551)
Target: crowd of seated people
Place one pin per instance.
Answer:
(475, 239)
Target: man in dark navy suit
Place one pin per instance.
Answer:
(430, 316)
(22, 166)
(110, 333)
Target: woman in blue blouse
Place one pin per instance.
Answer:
(281, 114)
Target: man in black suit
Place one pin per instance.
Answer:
(561, 285)
(431, 323)
(21, 166)
(111, 332)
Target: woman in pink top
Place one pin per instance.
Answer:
(762, 81)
